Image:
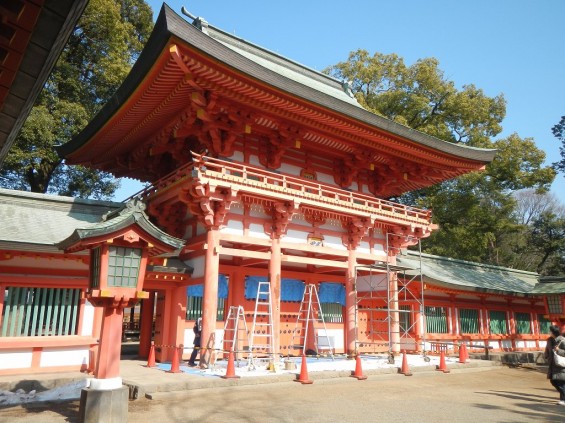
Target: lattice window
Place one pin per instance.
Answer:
(405, 318)
(123, 266)
(544, 324)
(333, 312)
(523, 323)
(436, 319)
(194, 308)
(497, 322)
(40, 311)
(554, 304)
(469, 320)
(95, 268)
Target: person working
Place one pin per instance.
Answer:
(197, 329)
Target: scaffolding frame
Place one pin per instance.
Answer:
(380, 289)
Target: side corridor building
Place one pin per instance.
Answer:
(273, 175)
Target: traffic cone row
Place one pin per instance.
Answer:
(358, 370)
(230, 371)
(405, 370)
(442, 366)
(303, 378)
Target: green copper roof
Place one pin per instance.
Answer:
(40, 219)
(465, 275)
(130, 214)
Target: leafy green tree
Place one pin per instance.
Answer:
(99, 54)
(476, 211)
(559, 132)
(420, 96)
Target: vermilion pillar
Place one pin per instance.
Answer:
(350, 321)
(394, 314)
(210, 299)
(275, 283)
(110, 344)
(146, 325)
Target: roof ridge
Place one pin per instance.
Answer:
(56, 199)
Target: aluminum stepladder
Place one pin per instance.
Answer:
(261, 329)
(236, 335)
(309, 309)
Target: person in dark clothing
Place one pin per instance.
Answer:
(556, 375)
(197, 329)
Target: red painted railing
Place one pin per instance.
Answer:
(280, 185)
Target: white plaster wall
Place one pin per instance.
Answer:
(290, 170)
(334, 335)
(325, 178)
(254, 161)
(257, 231)
(379, 250)
(16, 359)
(87, 319)
(493, 344)
(364, 247)
(334, 242)
(506, 343)
(237, 156)
(295, 237)
(365, 190)
(376, 282)
(51, 357)
(542, 344)
(233, 227)
(198, 265)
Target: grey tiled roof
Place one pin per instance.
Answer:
(132, 213)
(46, 219)
(284, 66)
(265, 66)
(465, 275)
(550, 285)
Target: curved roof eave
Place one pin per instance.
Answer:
(169, 24)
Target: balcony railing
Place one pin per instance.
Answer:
(217, 171)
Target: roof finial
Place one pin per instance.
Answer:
(198, 22)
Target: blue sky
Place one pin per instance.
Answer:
(513, 47)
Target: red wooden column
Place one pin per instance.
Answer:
(350, 322)
(175, 310)
(419, 327)
(110, 344)
(395, 315)
(210, 299)
(146, 325)
(275, 283)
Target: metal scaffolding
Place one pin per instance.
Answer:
(389, 306)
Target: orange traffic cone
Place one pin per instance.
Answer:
(405, 370)
(151, 358)
(358, 370)
(175, 364)
(230, 371)
(303, 378)
(442, 366)
(462, 353)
